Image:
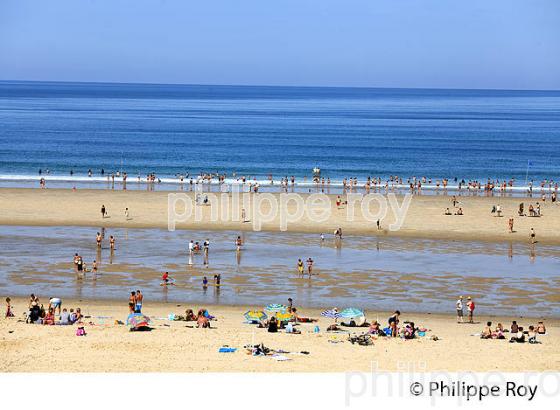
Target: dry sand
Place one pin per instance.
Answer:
(173, 347)
(425, 217)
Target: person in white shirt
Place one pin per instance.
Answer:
(55, 303)
(459, 307)
(191, 247)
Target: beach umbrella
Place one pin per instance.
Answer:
(351, 313)
(255, 315)
(137, 320)
(275, 307)
(331, 313)
(284, 317)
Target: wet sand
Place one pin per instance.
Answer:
(425, 217)
(175, 347)
(380, 273)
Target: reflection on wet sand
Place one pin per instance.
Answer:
(380, 273)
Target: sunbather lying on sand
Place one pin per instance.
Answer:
(301, 319)
(189, 316)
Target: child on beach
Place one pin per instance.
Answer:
(470, 307)
(9, 312)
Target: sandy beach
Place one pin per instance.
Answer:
(425, 217)
(177, 347)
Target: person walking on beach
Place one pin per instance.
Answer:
(459, 307)
(309, 266)
(78, 264)
(300, 267)
(510, 224)
(206, 247)
(470, 307)
(533, 235)
(126, 214)
(94, 269)
(103, 211)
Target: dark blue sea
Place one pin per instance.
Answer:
(284, 131)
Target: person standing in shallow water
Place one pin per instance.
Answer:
(300, 267)
(309, 266)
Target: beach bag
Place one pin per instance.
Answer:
(80, 331)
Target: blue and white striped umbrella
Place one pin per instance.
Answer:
(351, 312)
(275, 307)
(331, 313)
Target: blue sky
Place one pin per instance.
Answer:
(511, 44)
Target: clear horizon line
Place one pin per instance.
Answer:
(280, 86)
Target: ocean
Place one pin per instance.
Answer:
(283, 131)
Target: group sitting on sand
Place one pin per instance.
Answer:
(202, 318)
(408, 331)
(518, 334)
(458, 212)
(37, 313)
